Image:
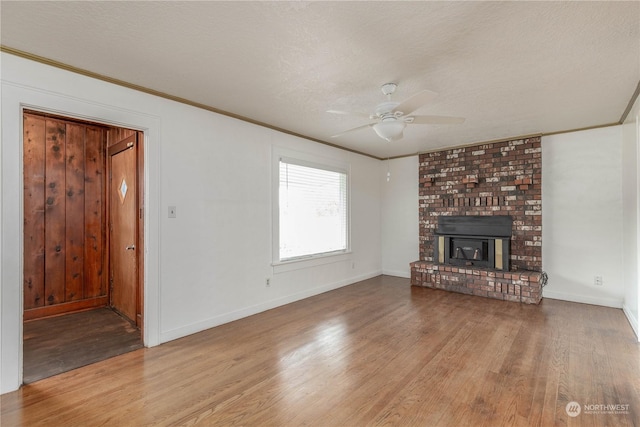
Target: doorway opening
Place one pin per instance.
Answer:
(83, 243)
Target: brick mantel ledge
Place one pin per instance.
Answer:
(518, 286)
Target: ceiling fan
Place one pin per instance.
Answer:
(392, 117)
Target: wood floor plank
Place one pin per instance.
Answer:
(378, 352)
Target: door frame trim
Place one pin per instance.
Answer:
(32, 92)
(17, 98)
(120, 146)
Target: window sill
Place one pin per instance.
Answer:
(299, 264)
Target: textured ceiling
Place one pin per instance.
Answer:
(510, 68)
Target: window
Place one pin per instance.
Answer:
(312, 209)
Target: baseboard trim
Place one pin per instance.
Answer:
(64, 308)
(221, 319)
(633, 321)
(397, 273)
(605, 302)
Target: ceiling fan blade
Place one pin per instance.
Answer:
(435, 120)
(353, 130)
(350, 113)
(410, 105)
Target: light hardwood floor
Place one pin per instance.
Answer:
(378, 352)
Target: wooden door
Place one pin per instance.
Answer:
(123, 228)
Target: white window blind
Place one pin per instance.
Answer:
(312, 209)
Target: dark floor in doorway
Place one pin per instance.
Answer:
(60, 344)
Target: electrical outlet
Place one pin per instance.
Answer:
(268, 282)
(597, 280)
(172, 211)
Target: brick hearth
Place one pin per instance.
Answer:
(517, 286)
(502, 178)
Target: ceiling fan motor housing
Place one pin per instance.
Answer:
(385, 110)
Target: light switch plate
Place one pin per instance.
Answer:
(172, 211)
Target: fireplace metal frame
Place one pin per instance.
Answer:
(495, 231)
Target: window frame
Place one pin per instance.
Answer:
(317, 162)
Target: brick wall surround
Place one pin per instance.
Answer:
(501, 178)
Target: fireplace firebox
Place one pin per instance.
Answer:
(479, 241)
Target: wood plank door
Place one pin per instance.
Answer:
(123, 228)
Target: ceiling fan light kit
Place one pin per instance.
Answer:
(392, 117)
(390, 129)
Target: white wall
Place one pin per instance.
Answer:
(209, 265)
(631, 215)
(399, 210)
(582, 216)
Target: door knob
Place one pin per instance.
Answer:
(130, 247)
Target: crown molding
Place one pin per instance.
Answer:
(185, 101)
(102, 77)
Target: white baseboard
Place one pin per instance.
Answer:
(221, 319)
(606, 302)
(632, 320)
(397, 273)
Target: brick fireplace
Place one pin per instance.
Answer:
(496, 179)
